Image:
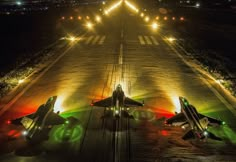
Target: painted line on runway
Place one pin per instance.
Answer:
(89, 40)
(217, 94)
(9, 104)
(147, 40)
(141, 40)
(102, 40)
(121, 54)
(95, 39)
(154, 40)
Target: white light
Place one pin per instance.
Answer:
(205, 133)
(72, 39)
(98, 18)
(197, 5)
(154, 25)
(171, 39)
(131, 6)
(19, 3)
(20, 81)
(113, 7)
(117, 112)
(147, 19)
(89, 25)
(58, 104)
(24, 133)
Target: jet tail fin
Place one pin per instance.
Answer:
(188, 135)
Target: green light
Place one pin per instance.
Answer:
(74, 136)
(223, 123)
(67, 121)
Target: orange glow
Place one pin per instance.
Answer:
(63, 18)
(71, 18)
(181, 18)
(79, 17)
(173, 18)
(165, 18)
(157, 18)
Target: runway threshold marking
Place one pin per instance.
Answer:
(215, 92)
(141, 40)
(147, 40)
(102, 40)
(89, 40)
(95, 39)
(9, 104)
(154, 40)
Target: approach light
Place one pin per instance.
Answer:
(181, 18)
(223, 122)
(79, 17)
(98, 18)
(107, 11)
(142, 14)
(89, 25)
(72, 39)
(131, 6)
(171, 39)
(63, 17)
(157, 18)
(117, 112)
(154, 25)
(165, 18)
(20, 81)
(147, 19)
(71, 17)
(197, 5)
(173, 18)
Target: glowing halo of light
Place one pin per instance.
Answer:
(76, 134)
(143, 114)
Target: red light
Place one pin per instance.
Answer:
(8, 122)
(164, 133)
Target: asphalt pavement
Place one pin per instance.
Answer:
(123, 49)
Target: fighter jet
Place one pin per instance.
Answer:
(196, 121)
(118, 102)
(39, 123)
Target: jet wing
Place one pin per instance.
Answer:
(212, 121)
(131, 103)
(18, 121)
(176, 119)
(107, 102)
(54, 119)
